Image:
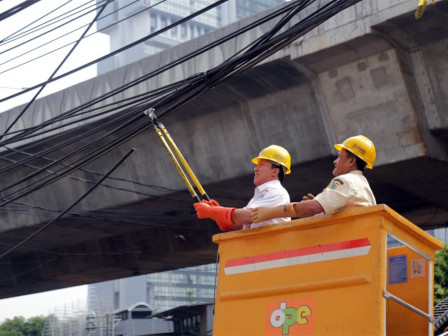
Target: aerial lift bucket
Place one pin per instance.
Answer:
(366, 271)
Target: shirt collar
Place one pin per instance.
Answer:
(356, 171)
(267, 184)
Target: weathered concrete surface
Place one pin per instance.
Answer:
(372, 70)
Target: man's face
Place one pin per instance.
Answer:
(344, 163)
(264, 172)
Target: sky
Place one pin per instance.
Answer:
(30, 74)
(13, 52)
(68, 299)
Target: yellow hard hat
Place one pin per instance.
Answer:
(360, 146)
(275, 154)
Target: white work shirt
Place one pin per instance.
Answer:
(268, 194)
(346, 191)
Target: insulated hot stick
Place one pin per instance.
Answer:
(163, 133)
(176, 163)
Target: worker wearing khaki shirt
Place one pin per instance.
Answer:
(349, 189)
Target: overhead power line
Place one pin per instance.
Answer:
(69, 208)
(55, 71)
(169, 66)
(115, 52)
(119, 130)
(187, 90)
(47, 43)
(16, 33)
(19, 37)
(16, 9)
(166, 101)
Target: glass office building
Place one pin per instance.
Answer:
(162, 291)
(126, 23)
(186, 286)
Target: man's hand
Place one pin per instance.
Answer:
(212, 202)
(221, 215)
(265, 213)
(308, 197)
(203, 210)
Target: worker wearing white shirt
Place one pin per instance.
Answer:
(270, 193)
(272, 164)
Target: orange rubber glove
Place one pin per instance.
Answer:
(221, 215)
(212, 202)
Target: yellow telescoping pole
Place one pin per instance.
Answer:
(185, 164)
(421, 8)
(161, 128)
(178, 167)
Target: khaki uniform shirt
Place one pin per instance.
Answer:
(346, 192)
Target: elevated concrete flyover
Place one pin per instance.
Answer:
(371, 70)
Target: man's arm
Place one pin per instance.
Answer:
(300, 209)
(241, 217)
(307, 208)
(232, 218)
(226, 218)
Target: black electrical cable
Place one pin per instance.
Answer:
(191, 16)
(15, 58)
(122, 108)
(65, 254)
(16, 9)
(99, 214)
(133, 191)
(31, 23)
(224, 40)
(198, 90)
(68, 33)
(234, 68)
(155, 187)
(430, 219)
(57, 256)
(252, 63)
(70, 207)
(89, 158)
(73, 113)
(55, 71)
(183, 59)
(33, 249)
(68, 142)
(266, 49)
(151, 224)
(15, 276)
(43, 26)
(129, 85)
(71, 167)
(90, 103)
(128, 112)
(63, 144)
(46, 167)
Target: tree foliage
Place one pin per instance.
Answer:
(441, 275)
(19, 326)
